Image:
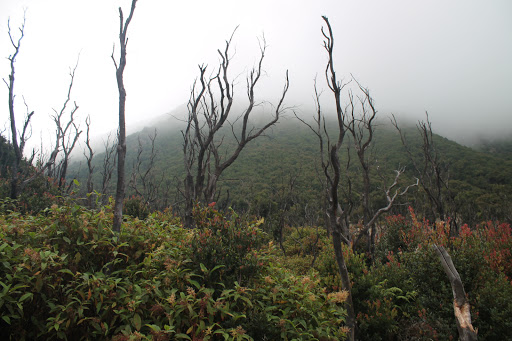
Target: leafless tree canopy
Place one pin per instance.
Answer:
(66, 136)
(209, 109)
(67, 132)
(433, 175)
(144, 181)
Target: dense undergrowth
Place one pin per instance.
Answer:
(65, 275)
(405, 294)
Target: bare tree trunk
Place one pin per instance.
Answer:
(90, 167)
(18, 147)
(344, 276)
(461, 306)
(335, 212)
(121, 146)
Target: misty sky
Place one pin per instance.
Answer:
(450, 58)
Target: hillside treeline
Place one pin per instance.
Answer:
(279, 174)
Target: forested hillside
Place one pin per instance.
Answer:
(284, 165)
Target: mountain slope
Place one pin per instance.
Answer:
(283, 166)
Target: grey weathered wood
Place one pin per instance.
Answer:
(461, 306)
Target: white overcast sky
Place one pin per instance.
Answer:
(450, 58)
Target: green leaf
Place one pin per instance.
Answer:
(6, 319)
(182, 336)
(218, 267)
(194, 283)
(137, 321)
(25, 296)
(39, 283)
(66, 271)
(154, 327)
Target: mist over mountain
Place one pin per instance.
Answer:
(465, 131)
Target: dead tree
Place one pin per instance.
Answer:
(66, 136)
(392, 192)
(337, 217)
(143, 181)
(121, 140)
(107, 169)
(332, 171)
(461, 306)
(90, 167)
(18, 146)
(361, 126)
(210, 105)
(433, 174)
(361, 129)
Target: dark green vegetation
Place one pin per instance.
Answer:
(236, 276)
(64, 276)
(284, 167)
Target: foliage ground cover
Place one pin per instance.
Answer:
(405, 294)
(65, 275)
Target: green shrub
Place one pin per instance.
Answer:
(296, 307)
(136, 207)
(39, 195)
(54, 273)
(385, 301)
(234, 242)
(65, 275)
(482, 258)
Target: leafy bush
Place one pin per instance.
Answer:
(233, 242)
(55, 270)
(303, 247)
(38, 195)
(385, 301)
(65, 275)
(406, 294)
(482, 258)
(296, 307)
(136, 207)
